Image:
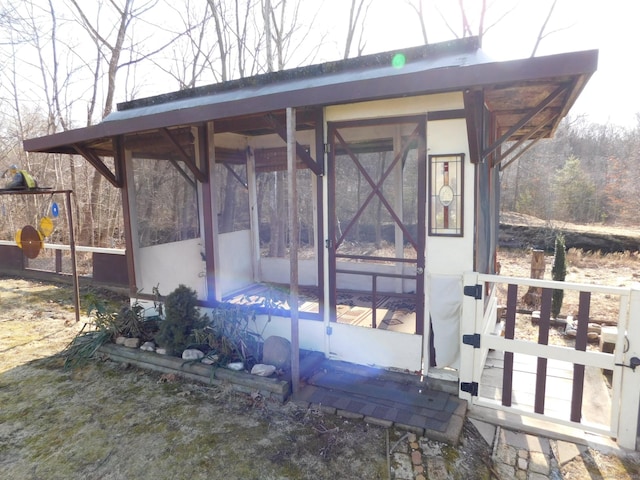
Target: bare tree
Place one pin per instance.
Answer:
(418, 8)
(110, 48)
(193, 51)
(541, 33)
(357, 19)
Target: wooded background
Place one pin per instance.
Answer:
(65, 64)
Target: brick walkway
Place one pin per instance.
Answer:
(384, 398)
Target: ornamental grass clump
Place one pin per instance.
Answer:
(181, 319)
(558, 274)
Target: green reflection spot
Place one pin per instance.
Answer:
(398, 60)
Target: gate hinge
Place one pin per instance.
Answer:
(327, 148)
(472, 339)
(474, 291)
(470, 387)
(328, 243)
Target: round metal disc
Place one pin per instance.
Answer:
(31, 241)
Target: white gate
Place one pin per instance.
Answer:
(543, 380)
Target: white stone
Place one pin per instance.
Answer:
(161, 351)
(401, 466)
(522, 463)
(539, 463)
(192, 354)
(237, 366)
(120, 340)
(263, 370)
(131, 342)
(148, 347)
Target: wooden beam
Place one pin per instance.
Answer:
(191, 164)
(299, 149)
(502, 155)
(119, 153)
(98, 164)
(233, 172)
(206, 149)
(293, 248)
(473, 106)
(524, 120)
(319, 227)
(436, 115)
(74, 263)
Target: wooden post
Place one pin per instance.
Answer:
(72, 244)
(532, 297)
(293, 248)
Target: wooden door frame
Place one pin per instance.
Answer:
(419, 243)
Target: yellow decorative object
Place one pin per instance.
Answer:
(46, 226)
(18, 237)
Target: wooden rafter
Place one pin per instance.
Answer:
(519, 154)
(502, 155)
(532, 113)
(281, 130)
(191, 164)
(238, 177)
(98, 164)
(474, 106)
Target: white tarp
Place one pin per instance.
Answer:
(445, 307)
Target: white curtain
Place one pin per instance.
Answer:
(446, 306)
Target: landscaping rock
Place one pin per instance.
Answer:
(263, 370)
(237, 366)
(277, 352)
(192, 354)
(148, 347)
(120, 340)
(131, 342)
(161, 351)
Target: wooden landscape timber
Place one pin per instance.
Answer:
(543, 238)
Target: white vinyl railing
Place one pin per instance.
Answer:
(478, 339)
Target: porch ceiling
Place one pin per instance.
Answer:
(510, 90)
(511, 103)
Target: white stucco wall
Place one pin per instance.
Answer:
(277, 270)
(234, 269)
(395, 107)
(171, 264)
(363, 346)
(452, 255)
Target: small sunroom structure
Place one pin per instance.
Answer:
(398, 159)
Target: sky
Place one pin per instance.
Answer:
(610, 26)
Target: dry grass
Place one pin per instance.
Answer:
(613, 270)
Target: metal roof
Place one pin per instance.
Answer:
(511, 90)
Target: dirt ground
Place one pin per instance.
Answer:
(109, 421)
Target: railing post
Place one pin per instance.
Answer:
(467, 327)
(630, 393)
(58, 261)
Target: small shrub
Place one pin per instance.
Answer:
(181, 319)
(229, 335)
(87, 342)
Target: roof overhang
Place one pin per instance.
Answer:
(510, 91)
